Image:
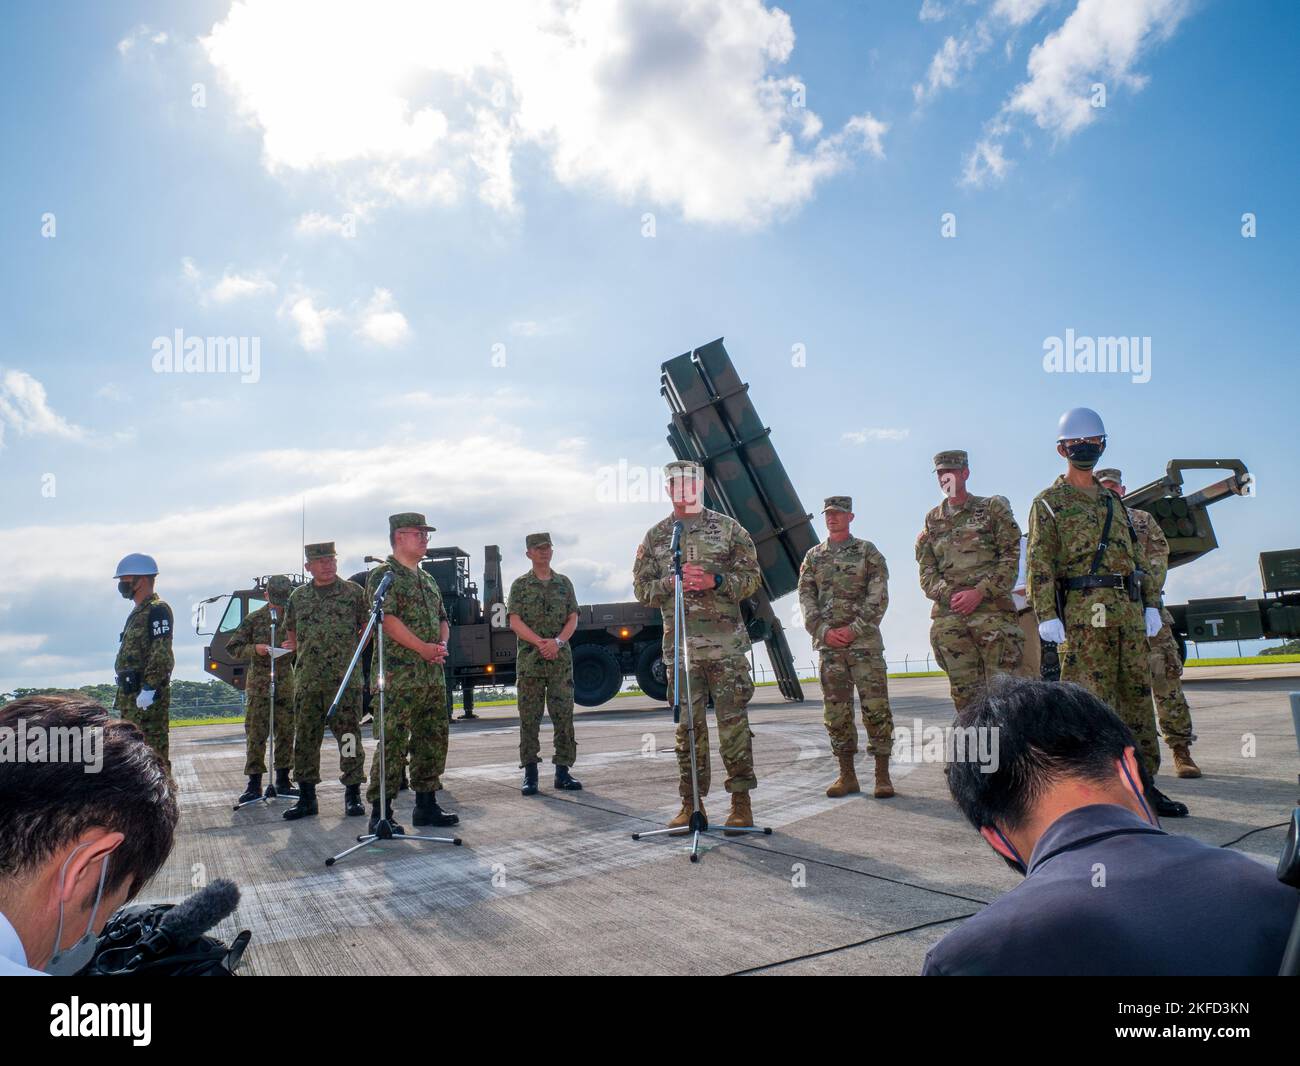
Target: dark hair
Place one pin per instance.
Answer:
(45, 805)
(1046, 731)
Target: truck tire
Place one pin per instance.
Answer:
(597, 677)
(651, 673)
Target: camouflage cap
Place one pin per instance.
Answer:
(683, 468)
(953, 460)
(323, 550)
(839, 503)
(278, 587)
(1109, 474)
(408, 520)
(537, 540)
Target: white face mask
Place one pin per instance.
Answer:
(73, 960)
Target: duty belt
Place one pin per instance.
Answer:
(1095, 581)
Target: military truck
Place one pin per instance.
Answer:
(713, 423)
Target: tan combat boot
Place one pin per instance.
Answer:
(741, 813)
(683, 818)
(847, 782)
(1183, 763)
(884, 786)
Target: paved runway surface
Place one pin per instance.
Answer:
(553, 883)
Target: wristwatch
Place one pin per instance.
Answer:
(560, 642)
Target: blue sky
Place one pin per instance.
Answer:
(395, 205)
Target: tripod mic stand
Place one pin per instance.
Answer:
(270, 793)
(384, 829)
(698, 824)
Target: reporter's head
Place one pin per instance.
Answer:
(1059, 748)
(87, 817)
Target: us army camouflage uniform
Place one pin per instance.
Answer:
(846, 583)
(145, 661)
(975, 546)
(415, 690)
(544, 607)
(252, 631)
(327, 620)
(716, 642)
(1105, 646)
(1174, 714)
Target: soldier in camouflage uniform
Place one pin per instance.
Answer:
(719, 569)
(144, 655)
(1172, 711)
(251, 641)
(843, 595)
(322, 626)
(969, 555)
(1084, 597)
(415, 685)
(543, 611)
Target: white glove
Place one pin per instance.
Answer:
(1052, 631)
(145, 698)
(1153, 620)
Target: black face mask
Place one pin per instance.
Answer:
(1084, 454)
(127, 588)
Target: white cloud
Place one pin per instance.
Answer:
(382, 323)
(672, 102)
(238, 286)
(932, 11)
(315, 224)
(959, 52)
(861, 436)
(141, 35)
(312, 322)
(25, 409)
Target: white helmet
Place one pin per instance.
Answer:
(137, 565)
(1080, 422)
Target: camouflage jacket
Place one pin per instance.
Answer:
(1152, 539)
(1065, 525)
(145, 647)
(978, 547)
(844, 584)
(544, 607)
(242, 644)
(327, 620)
(415, 600)
(715, 627)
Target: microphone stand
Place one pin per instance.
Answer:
(698, 824)
(270, 793)
(384, 830)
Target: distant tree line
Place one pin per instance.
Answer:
(190, 699)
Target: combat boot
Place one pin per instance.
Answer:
(253, 791)
(1183, 764)
(283, 786)
(683, 818)
(884, 786)
(392, 822)
(352, 805)
(529, 787)
(741, 813)
(427, 811)
(403, 784)
(1163, 805)
(306, 805)
(564, 781)
(847, 782)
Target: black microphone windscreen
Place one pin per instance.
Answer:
(195, 915)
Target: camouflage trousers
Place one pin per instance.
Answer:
(415, 725)
(841, 671)
(974, 649)
(310, 705)
(154, 721)
(1031, 659)
(1167, 686)
(550, 689)
(257, 729)
(728, 684)
(1112, 663)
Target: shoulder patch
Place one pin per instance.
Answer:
(160, 620)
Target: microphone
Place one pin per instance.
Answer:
(275, 613)
(677, 537)
(196, 914)
(382, 590)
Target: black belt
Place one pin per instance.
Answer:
(1095, 581)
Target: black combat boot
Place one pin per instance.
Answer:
(1163, 805)
(564, 781)
(392, 822)
(529, 787)
(283, 786)
(253, 791)
(427, 811)
(306, 805)
(403, 784)
(352, 805)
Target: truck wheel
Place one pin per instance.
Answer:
(651, 673)
(597, 676)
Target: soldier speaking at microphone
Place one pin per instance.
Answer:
(719, 569)
(144, 657)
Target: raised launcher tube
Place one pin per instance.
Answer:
(715, 424)
(1185, 520)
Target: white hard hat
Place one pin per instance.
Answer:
(136, 565)
(1079, 422)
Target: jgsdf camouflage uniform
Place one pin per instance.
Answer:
(846, 583)
(145, 661)
(327, 620)
(415, 692)
(716, 637)
(976, 546)
(252, 631)
(1105, 646)
(544, 685)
